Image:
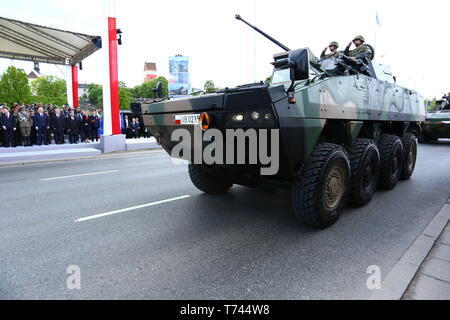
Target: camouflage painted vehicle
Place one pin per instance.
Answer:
(345, 128)
(437, 124)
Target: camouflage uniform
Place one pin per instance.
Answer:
(330, 55)
(447, 97)
(446, 103)
(361, 49)
(357, 51)
(25, 124)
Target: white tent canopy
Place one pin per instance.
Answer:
(25, 41)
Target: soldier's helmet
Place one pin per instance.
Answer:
(334, 43)
(359, 37)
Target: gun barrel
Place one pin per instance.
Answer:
(238, 17)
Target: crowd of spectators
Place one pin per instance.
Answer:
(39, 124)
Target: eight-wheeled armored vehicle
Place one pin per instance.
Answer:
(344, 128)
(437, 124)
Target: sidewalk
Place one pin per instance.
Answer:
(432, 281)
(423, 272)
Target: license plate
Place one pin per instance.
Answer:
(187, 119)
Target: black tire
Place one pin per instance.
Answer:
(391, 156)
(327, 168)
(365, 171)
(206, 182)
(409, 156)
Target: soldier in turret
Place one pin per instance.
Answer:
(446, 104)
(333, 51)
(447, 97)
(358, 41)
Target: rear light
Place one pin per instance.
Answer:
(205, 121)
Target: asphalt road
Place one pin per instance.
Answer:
(242, 245)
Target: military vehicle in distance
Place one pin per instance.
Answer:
(345, 128)
(436, 124)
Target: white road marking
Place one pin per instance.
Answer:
(130, 209)
(80, 175)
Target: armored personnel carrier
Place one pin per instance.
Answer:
(336, 130)
(437, 124)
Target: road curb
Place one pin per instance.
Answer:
(102, 156)
(397, 281)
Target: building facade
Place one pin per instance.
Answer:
(150, 71)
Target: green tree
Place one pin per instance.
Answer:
(209, 86)
(49, 89)
(145, 90)
(95, 94)
(14, 87)
(135, 92)
(125, 96)
(430, 105)
(268, 80)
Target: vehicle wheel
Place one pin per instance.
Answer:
(409, 155)
(391, 157)
(321, 190)
(365, 171)
(206, 182)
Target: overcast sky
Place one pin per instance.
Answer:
(412, 39)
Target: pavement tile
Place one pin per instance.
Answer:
(445, 237)
(445, 211)
(419, 250)
(435, 227)
(441, 251)
(428, 288)
(438, 269)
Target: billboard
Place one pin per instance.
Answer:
(179, 76)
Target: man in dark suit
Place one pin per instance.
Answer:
(58, 124)
(41, 125)
(73, 127)
(126, 126)
(95, 125)
(8, 124)
(49, 113)
(2, 142)
(134, 129)
(85, 126)
(79, 115)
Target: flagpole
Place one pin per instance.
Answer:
(376, 31)
(254, 47)
(375, 42)
(378, 25)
